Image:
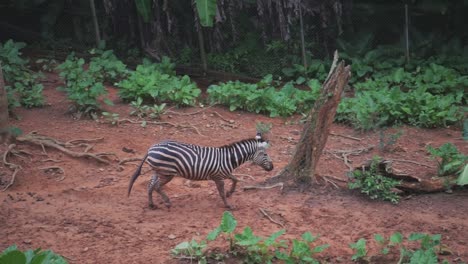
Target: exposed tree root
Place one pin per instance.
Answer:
(270, 218)
(16, 168)
(345, 153)
(45, 141)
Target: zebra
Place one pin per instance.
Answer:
(193, 162)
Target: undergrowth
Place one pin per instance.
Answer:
(23, 87)
(157, 83)
(247, 247)
(373, 184)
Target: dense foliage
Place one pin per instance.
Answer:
(23, 85)
(265, 97)
(157, 82)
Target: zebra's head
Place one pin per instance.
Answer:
(260, 157)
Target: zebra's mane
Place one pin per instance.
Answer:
(240, 142)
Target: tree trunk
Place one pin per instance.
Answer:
(95, 22)
(314, 136)
(3, 107)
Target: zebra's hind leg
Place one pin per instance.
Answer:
(156, 183)
(233, 186)
(151, 186)
(220, 186)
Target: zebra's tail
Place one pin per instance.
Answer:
(136, 174)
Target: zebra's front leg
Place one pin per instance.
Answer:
(233, 185)
(220, 186)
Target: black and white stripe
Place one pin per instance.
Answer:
(193, 162)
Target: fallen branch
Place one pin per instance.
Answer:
(279, 184)
(270, 218)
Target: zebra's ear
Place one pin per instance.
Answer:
(258, 136)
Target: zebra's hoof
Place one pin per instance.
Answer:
(152, 207)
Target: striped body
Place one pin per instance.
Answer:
(171, 158)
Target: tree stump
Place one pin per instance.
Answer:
(314, 136)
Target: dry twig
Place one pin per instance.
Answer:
(348, 137)
(413, 162)
(253, 187)
(270, 218)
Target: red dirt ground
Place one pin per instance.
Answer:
(88, 218)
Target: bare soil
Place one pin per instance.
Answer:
(85, 215)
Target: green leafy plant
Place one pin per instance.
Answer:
(429, 245)
(257, 249)
(227, 226)
(141, 110)
(150, 84)
(264, 97)
(360, 249)
(450, 160)
(301, 251)
(82, 88)
(37, 256)
(107, 67)
(372, 183)
(23, 87)
(192, 250)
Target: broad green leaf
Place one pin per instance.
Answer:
(463, 179)
(206, 11)
(228, 222)
(396, 238)
(307, 236)
(14, 256)
(213, 234)
(270, 240)
(379, 238)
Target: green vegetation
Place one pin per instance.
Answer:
(107, 67)
(142, 111)
(37, 256)
(251, 248)
(82, 86)
(429, 246)
(372, 183)
(264, 97)
(450, 160)
(23, 85)
(157, 82)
